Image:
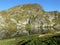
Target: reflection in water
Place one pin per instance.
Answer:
(51, 28)
(45, 29)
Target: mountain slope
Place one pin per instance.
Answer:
(27, 19)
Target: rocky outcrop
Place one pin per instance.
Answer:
(27, 19)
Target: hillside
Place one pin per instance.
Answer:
(26, 20)
(36, 39)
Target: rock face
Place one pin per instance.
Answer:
(27, 19)
(57, 26)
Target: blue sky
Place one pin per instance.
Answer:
(48, 5)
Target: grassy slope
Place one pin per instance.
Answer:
(28, 39)
(8, 42)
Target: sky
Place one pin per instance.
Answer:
(48, 5)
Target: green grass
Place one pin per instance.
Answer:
(14, 41)
(8, 42)
(52, 39)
